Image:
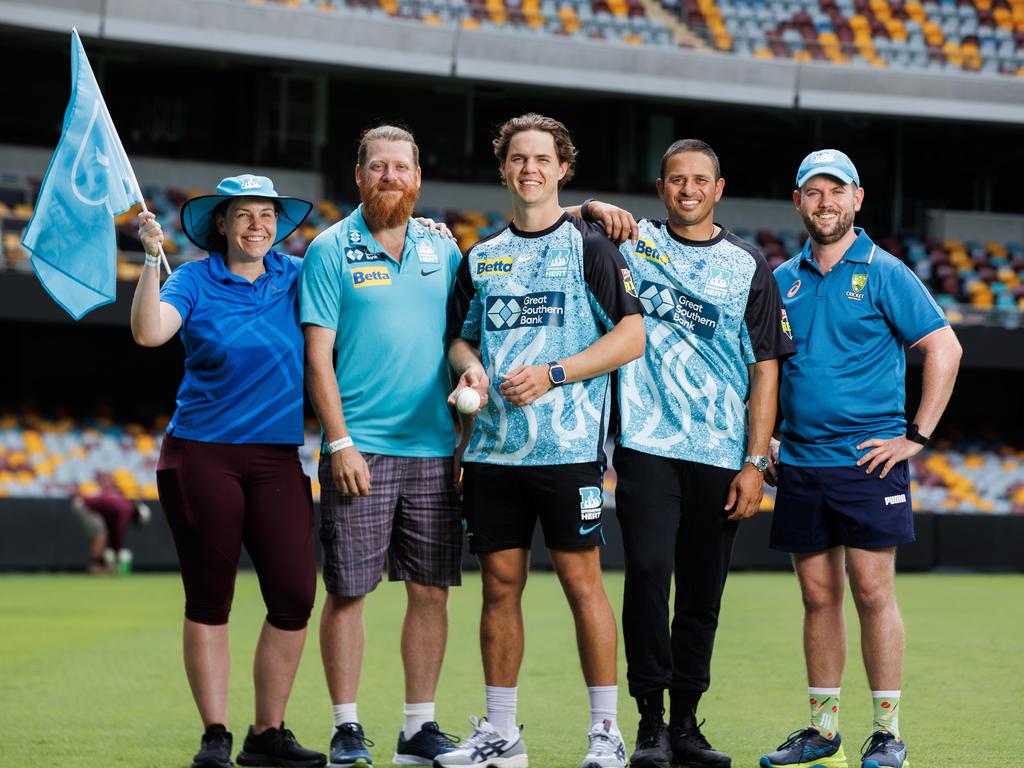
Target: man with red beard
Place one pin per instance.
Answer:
(373, 293)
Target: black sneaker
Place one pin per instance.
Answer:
(691, 750)
(652, 746)
(214, 749)
(424, 745)
(278, 747)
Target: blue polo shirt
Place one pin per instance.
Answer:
(390, 322)
(846, 384)
(243, 352)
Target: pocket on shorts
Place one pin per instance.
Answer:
(328, 531)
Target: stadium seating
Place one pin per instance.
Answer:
(621, 20)
(61, 457)
(984, 36)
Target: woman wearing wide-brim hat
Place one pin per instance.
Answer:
(229, 471)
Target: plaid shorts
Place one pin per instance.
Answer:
(411, 520)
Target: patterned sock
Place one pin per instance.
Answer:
(501, 709)
(345, 713)
(824, 710)
(604, 703)
(886, 705)
(415, 716)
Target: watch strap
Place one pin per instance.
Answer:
(341, 443)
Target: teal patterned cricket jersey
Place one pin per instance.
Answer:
(711, 308)
(530, 298)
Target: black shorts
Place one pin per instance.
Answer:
(502, 505)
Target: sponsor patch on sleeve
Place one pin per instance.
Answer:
(786, 327)
(627, 282)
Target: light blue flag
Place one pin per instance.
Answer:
(89, 181)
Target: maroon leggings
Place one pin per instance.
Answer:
(218, 496)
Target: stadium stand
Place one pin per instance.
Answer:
(984, 36)
(626, 21)
(54, 458)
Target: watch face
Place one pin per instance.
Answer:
(557, 374)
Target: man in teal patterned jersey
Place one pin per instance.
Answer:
(540, 314)
(696, 417)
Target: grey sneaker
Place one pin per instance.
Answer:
(606, 749)
(487, 747)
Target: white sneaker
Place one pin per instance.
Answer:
(607, 749)
(487, 747)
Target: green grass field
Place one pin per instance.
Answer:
(91, 672)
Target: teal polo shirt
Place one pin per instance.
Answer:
(845, 384)
(390, 322)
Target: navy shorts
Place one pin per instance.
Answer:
(503, 504)
(818, 508)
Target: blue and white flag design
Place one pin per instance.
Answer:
(90, 180)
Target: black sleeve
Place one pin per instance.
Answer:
(765, 316)
(459, 302)
(607, 275)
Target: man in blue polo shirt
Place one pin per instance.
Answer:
(373, 293)
(844, 487)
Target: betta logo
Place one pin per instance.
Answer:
(649, 251)
(364, 277)
(487, 266)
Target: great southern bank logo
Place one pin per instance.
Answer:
(533, 309)
(661, 302)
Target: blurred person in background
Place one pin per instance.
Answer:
(229, 470)
(105, 516)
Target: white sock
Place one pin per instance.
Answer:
(604, 703)
(345, 713)
(415, 716)
(501, 709)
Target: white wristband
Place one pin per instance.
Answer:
(337, 445)
(152, 261)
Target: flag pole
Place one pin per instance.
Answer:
(163, 256)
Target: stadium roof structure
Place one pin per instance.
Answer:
(355, 41)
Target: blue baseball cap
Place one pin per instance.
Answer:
(830, 162)
(196, 214)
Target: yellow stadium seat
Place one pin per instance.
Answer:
(766, 53)
(22, 211)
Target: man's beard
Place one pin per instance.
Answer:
(383, 211)
(843, 223)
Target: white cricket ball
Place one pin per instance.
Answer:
(467, 401)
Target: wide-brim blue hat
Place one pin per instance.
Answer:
(197, 222)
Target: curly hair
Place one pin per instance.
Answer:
(564, 148)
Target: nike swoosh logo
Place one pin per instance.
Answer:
(585, 531)
(425, 273)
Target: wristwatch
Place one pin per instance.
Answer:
(556, 373)
(760, 463)
(914, 434)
